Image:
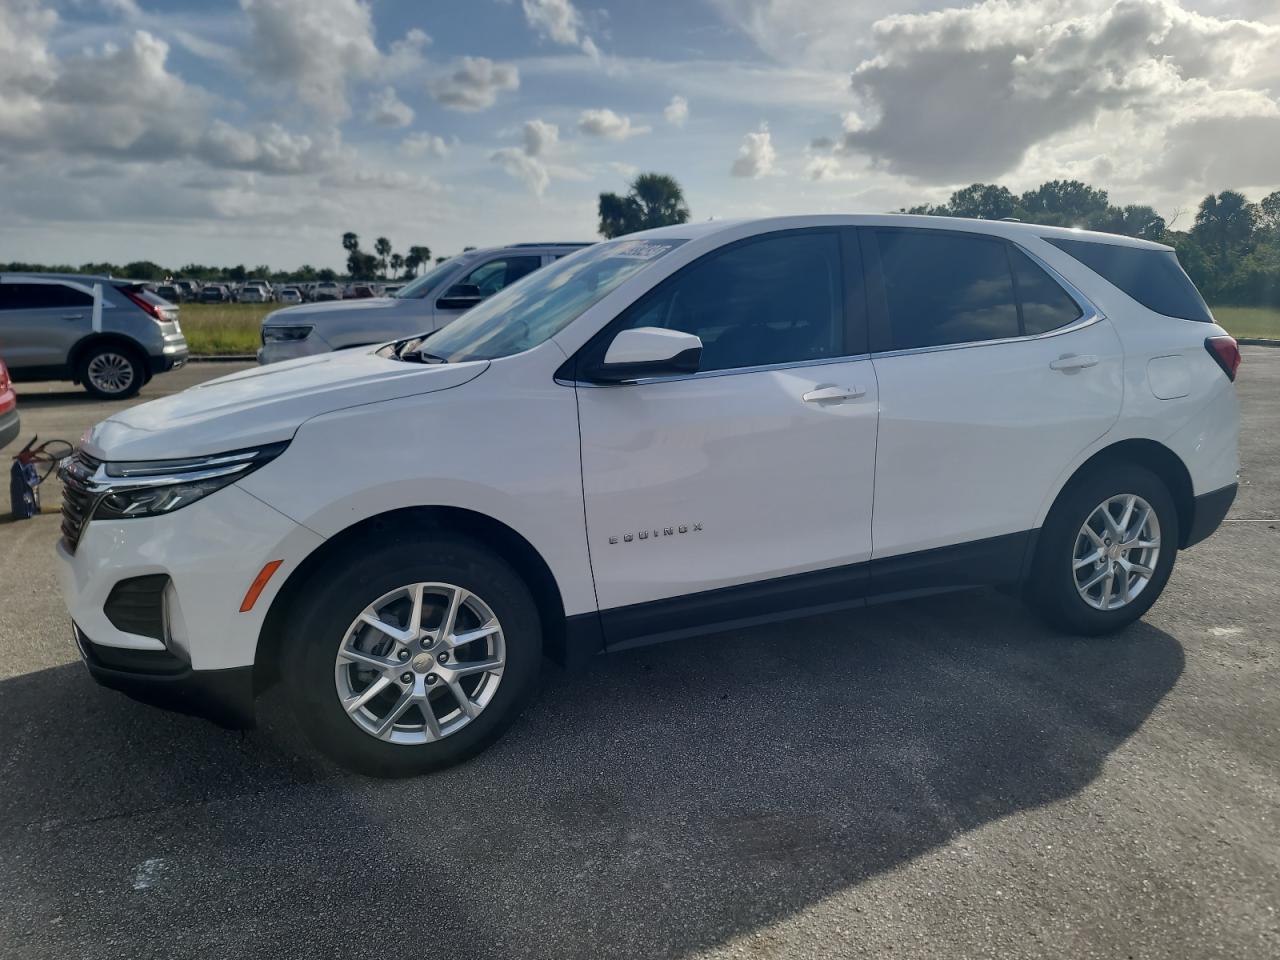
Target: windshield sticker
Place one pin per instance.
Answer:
(644, 249)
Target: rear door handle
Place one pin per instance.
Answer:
(73, 316)
(1073, 361)
(833, 394)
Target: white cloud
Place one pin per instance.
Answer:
(561, 22)
(677, 111)
(388, 110)
(607, 124)
(311, 49)
(756, 155)
(267, 149)
(424, 144)
(474, 83)
(1018, 74)
(540, 137)
(517, 163)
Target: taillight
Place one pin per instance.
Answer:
(1227, 352)
(4, 377)
(150, 308)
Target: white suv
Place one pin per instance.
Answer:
(698, 427)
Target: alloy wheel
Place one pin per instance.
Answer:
(1116, 552)
(110, 372)
(420, 663)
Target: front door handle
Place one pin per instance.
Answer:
(73, 316)
(1073, 361)
(833, 394)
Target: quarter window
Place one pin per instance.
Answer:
(773, 300)
(1150, 275)
(40, 296)
(1045, 306)
(945, 288)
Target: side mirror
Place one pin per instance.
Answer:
(461, 296)
(648, 352)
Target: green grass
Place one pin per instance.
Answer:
(1249, 321)
(221, 328)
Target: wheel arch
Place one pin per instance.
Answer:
(1152, 455)
(82, 346)
(422, 522)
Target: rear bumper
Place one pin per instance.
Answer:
(164, 679)
(169, 360)
(10, 426)
(1208, 513)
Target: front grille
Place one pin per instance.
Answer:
(77, 500)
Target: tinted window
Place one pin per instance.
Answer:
(943, 288)
(491, 277)
(1152, 277)
(1045, 305)
(38, 296)
(521, 317)
(774, 300)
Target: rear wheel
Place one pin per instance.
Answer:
(1106, 551)
(112, 372)
(405, 659)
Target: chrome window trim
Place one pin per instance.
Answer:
(1089, 314)
(708, 374)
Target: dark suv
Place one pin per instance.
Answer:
(108, 334)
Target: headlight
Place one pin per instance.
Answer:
(146, 488)
(285, 334)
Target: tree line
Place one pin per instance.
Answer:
(1231, 249)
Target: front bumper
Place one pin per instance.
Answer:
(201, 659)
(164, 680)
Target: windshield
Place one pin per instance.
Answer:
(425, 283)
(542, 304)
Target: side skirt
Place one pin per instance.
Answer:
(995, 561)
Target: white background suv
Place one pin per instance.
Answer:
(659, 436)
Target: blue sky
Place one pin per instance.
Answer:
(259, 130)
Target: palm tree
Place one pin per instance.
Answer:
(350, 242)
(1224, 225)
(397, 264)
(420, 255)
(382, 247)
(654, 200)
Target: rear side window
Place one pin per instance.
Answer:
(1152, 277)
(945, 288)
(491, 277)
(39, 296)
(1045, 306)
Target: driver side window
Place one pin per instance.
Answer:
(776, 299)
(491, 277)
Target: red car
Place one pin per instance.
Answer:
(9, 422)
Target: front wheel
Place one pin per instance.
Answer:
(1106, 551)
(411, 657)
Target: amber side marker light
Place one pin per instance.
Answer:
(259, 583)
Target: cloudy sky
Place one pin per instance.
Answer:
(259, 130)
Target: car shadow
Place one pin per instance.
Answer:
(661, 801)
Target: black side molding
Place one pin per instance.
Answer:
(1208, 513)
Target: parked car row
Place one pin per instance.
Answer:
(428, 303)
(262, 291)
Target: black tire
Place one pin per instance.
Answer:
(334, 597)
(126, 360)
(1053, 587)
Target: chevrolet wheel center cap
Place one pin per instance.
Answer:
(423, 662)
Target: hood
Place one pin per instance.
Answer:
(265, 405)
(302, 311)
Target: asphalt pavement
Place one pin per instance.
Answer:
(940, 778)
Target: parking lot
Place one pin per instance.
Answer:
(936, 778)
